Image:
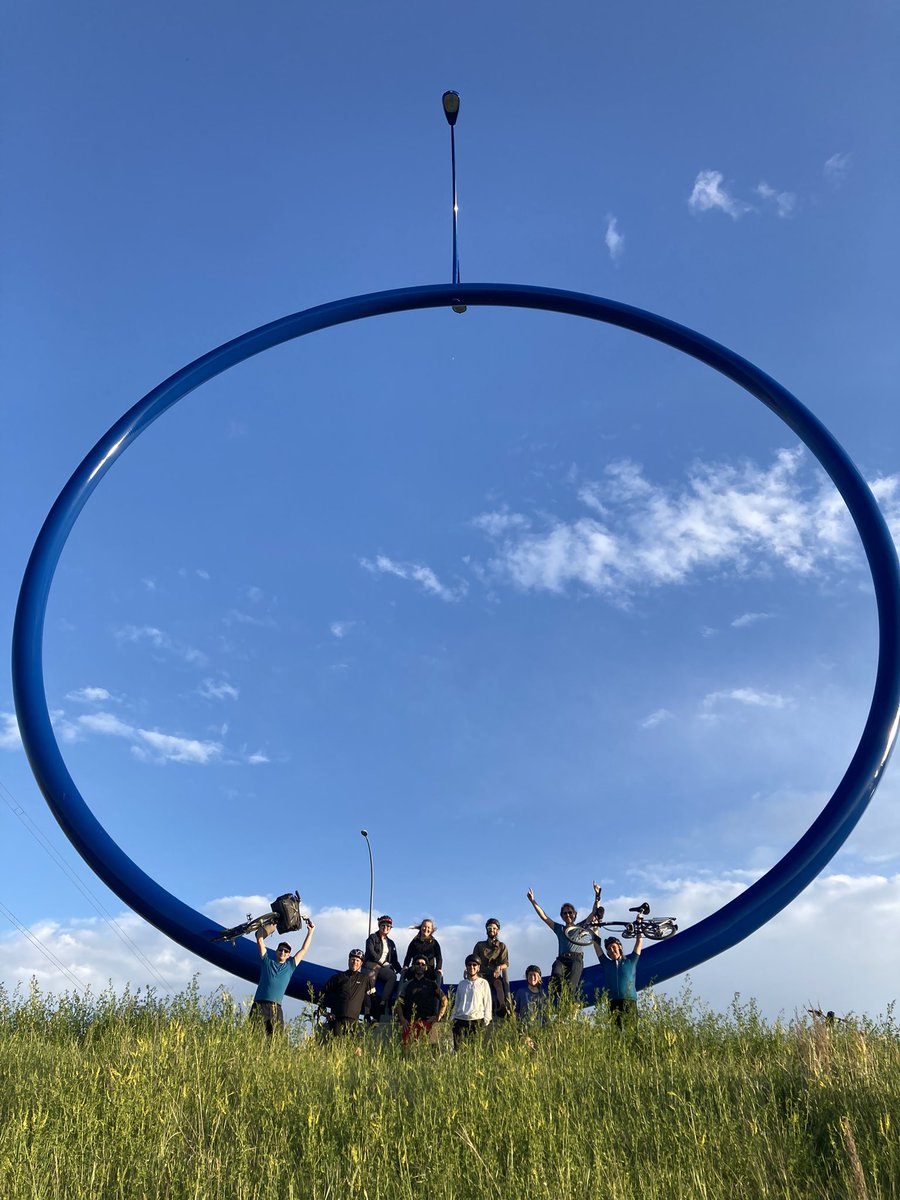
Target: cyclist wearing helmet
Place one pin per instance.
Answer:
(571, 938)
(494, 959)
(382, 963)
(274, 975)
(344, 994)
(618, 970)
(531, 1000)
(471, 1003)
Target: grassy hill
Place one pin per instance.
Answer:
(134, 1096)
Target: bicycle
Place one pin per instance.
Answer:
(285, 917)
(655, 930)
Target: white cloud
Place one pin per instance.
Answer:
(149, 584)
(642, 535)
(784, 203)
(149, 745)
(160, 640)
(211, 689)
(836, 169)
(751, 697)
(10, 738)
(708, 193)
(749, 618)
(340, 629)
(89, 695)
(615, 241)
(656, 718)
(417, 573)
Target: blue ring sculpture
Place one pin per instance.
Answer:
(715, 933)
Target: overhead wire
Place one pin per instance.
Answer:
(42, 948)
(105, 915)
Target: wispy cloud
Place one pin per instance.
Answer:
(713, 702)
(340, 629)
(417, 573)
(749, 618)
(784, 203)
(615, 241)
(10, 738)
(89, 695)
(656, 718)
(709, 193)
(160, 640)
(836, 169)
(638, 534)
(211, 689)
(150, 745)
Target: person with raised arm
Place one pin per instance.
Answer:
(274, 975)
(571, 937)
(619, 976)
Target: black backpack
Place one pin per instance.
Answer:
(287, 909)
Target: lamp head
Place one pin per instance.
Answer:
(450, 101)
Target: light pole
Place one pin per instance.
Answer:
(450, 101)
(365, 834)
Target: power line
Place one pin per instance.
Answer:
(105, 915)
(45, 950)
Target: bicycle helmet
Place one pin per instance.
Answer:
(385, 920)
(492, 921)
(471, 958)
(356, 954)
(613, 941)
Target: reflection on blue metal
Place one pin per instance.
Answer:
(710, 936)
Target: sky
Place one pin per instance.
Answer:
(533, 600)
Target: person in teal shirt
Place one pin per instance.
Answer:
(618, 970)
(274, 975)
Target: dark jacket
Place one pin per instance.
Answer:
(373, 948)
(344, 994)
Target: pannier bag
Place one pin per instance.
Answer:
(287, 908)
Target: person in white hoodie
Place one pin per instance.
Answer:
(471, 1003)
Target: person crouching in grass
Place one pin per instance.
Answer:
(421, 1003)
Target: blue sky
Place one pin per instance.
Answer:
(532, 600)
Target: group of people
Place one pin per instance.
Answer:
(412, 994)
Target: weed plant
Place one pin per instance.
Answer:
(135, 1096)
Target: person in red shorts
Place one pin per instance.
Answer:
(421, 1003)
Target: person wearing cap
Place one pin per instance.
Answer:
(382, 963)
(421, 1003)
(531, 1000)
(274, 975)
(571, 936)
(618, 969)
(493, 957)
(471, 1002)
(344, 995)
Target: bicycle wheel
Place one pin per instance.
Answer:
(656, 931)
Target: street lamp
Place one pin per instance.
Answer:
(365, 834)
(450, 101)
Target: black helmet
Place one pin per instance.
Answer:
(356, 953)
(492, 921)
(473, 958)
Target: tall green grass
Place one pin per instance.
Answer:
(134, 1096)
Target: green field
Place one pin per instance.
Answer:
(134, 1096)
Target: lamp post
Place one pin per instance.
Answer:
(450, 101)
(365, 834)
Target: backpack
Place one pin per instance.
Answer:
(287, 909)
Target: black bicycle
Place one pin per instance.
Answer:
(285, 917)
(655, 929)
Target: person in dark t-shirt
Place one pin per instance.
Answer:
(421, 1003)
